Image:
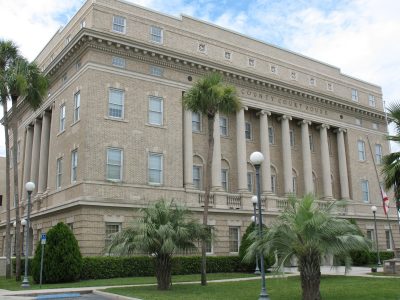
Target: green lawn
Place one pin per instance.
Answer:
(332, 288)
(11, 284)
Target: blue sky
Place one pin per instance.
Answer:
(358, 36)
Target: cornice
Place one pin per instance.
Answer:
(161, 55)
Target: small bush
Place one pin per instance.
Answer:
(62, 257)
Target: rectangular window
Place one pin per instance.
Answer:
(354, 95)
(155, 110)
(371, 100)
(370, 234)
(77, 106)
(59, 172)
(155, 168)
(311, 140)
(365, 191)
(18, 151)
(223, 125)
(224, 179)
(62, 118)
(118, 62)
(250, 181)
(196, 122)
(378, 154)
(209, 243)
(248, 131)
(71, 226)
(361, 150)
(116, 103)
(358, 121)
(271, 135)
(156, 71)
(114, 164)
(375, 126)
(74, 165)
(292, 141)
(294, 184)
(110, 229)
(388, 240)
(156, 34)
(119, 24)
(273, 184)
(234, 239)
(197, 177)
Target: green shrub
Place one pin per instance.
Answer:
(62, 257)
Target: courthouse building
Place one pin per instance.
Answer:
(113, 136)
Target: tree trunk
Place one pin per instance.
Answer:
(8, 194)
(310, 275)
(210, 121)
(163, 271)
(14, 125)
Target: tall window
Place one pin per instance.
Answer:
(248, 131)
(361, 150)
(388, 240)
(224, 179)
(273, 183)
(114, 164)
(370, 234)
(292, 141)
(62, 117)
(156, 34)
(233, 239)
(209, 243)
(155, 168)
(119, 24)
(74, 165)
(196, 122)
(77, 106)
(118, 61)
(354, 95)
(294, 182)
(271, 135)
(223, 125)
(18, 151)
(156, 71)
(110, 229)
(314, 181)
(197, 177)
(365, 191)
(378, 153)
(250, 181)
(155, 110)
(311, 141)
(116, 103)
(59, 172)
(371, 100)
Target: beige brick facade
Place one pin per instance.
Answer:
(82, 59)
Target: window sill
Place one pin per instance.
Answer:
(155, 184)
(115, 119)
(76, 122)
(61, 132)
(114, 180)
(119, 32)
(156, 126)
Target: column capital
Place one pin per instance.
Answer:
(323, 126)
(264, 112)
(285, 117)
(304, 122)
(340, 129)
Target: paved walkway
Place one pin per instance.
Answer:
(97, 293)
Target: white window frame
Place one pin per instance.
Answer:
(273, 183)
(59, 172)
(271, 135)
(388, 240)
(74, 165)
(120, 164)
(197, 182)
(224, 128)
(371, 100)
(372, 233)
(358, 121)
(196, 124)
(354, 95)
(62, 117)
(361, 150)
(248, 131)
(236, 235)
(107, 233)
(116, 24)
(228, 55)
(77, 106)
(154, 37)
(118, 61)
(160, 113)
(210, 244)
(378, 154)
(365, 191)
(161, 171)
(156, 71)
(375, 126)
(122, 105)
(225, 179)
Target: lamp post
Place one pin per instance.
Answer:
(254, 219)
(29, 186)
(373, 209)
(256, 159)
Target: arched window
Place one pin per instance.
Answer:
(273, 180)
(294, 182)
(225, 175)
(197, 172)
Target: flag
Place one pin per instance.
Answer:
(385, 200)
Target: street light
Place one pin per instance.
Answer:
(29, 186)
(256, 159)
(254, 219)
(373, 208)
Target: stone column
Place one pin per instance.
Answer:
(44, 153)
(27, 158)
(241, 150)
(188, 149)
(216, 159)
(286, 155)
(307, 166)
(264, 143)
(37, 131)
(343, 175)
(325, 162)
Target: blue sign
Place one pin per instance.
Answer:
(43, 239)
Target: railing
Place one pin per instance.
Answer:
(211, 200)
(234, 202)
(323, 205)
(281, 204)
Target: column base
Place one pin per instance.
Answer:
(217, 189)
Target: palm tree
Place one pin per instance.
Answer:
(163, 229)
(391, 162)
(210, 96)
(8, 52)
(26, 83)
(308, 232)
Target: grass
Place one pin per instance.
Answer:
(11, 284)
(332, 288)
